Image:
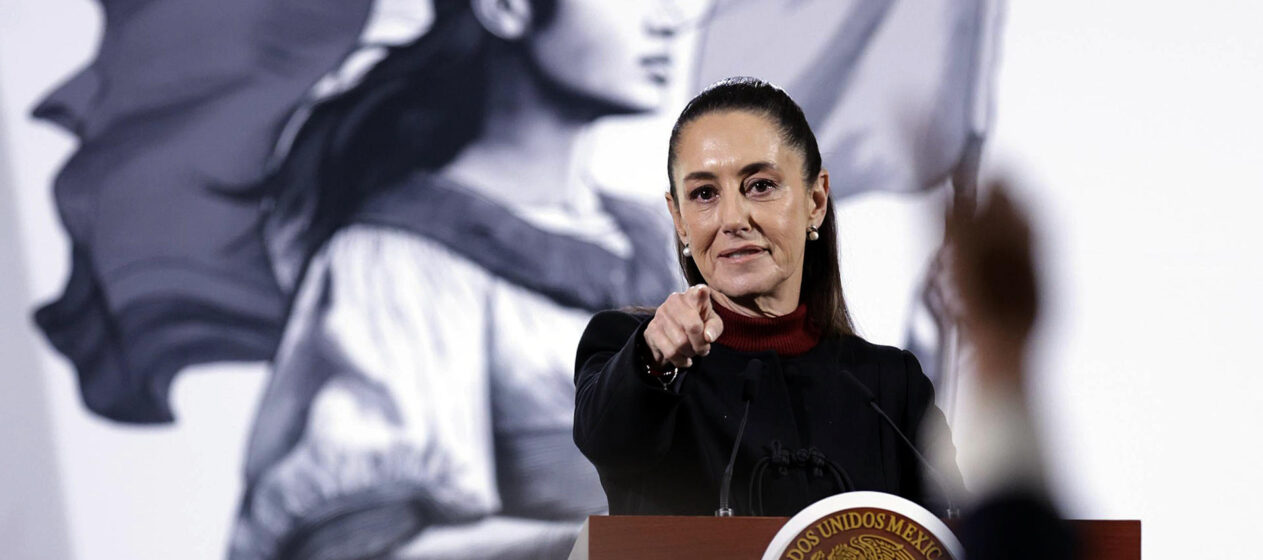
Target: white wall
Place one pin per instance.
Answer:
(32, 524)
(1140, 125)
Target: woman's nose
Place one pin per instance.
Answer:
(734, 214)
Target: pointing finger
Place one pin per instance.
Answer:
(714, 327)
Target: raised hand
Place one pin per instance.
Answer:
(993, 272)
(683, 327)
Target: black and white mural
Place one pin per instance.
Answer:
(409, 209)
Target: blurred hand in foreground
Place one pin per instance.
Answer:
(987, 259)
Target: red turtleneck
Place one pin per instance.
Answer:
(787, 335)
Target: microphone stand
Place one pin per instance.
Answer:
(748, 389)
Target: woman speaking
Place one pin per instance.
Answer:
(761, 341)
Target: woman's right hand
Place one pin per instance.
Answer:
(683, 327)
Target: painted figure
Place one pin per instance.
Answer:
(424, 380)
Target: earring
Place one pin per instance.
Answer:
(812, 233)
(687, 252)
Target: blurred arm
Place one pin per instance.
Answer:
(992, 267)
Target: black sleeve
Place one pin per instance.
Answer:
(623, 418)
(925, 419)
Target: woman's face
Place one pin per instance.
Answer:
(743, 207)
(619, 53)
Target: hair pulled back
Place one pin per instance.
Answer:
(822, 279)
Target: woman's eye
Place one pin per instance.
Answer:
(760, 186)
(703, 193)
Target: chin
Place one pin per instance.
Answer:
(737, 288)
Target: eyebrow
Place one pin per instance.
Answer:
(747, 170)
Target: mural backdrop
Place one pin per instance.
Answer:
(410, 208)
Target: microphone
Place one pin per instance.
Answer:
(749, 388)
(952, 511)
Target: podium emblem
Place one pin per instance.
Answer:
(867, 547)
(864, 526)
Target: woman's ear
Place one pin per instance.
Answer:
(672, 207)
(506, 19)
(818, 202)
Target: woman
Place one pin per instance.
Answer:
(424, 378)
(660, 397)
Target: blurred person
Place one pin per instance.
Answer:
(988, 279)
(663, 393)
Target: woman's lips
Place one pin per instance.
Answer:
(742, 254)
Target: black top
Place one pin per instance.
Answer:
(663, 450)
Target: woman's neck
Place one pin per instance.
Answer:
(525, 152)
(758, 306)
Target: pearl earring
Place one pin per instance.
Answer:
(812, 233)
(687, 252)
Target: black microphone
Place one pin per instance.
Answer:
(749, 388)
(952, 511)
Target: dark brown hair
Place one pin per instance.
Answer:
(414, 111)
(822, 280)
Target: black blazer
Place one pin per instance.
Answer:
(663, 450)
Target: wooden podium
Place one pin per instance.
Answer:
(636, 537)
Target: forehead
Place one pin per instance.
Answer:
(724, 142)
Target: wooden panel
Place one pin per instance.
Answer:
(640, 537)
(1108, 540)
